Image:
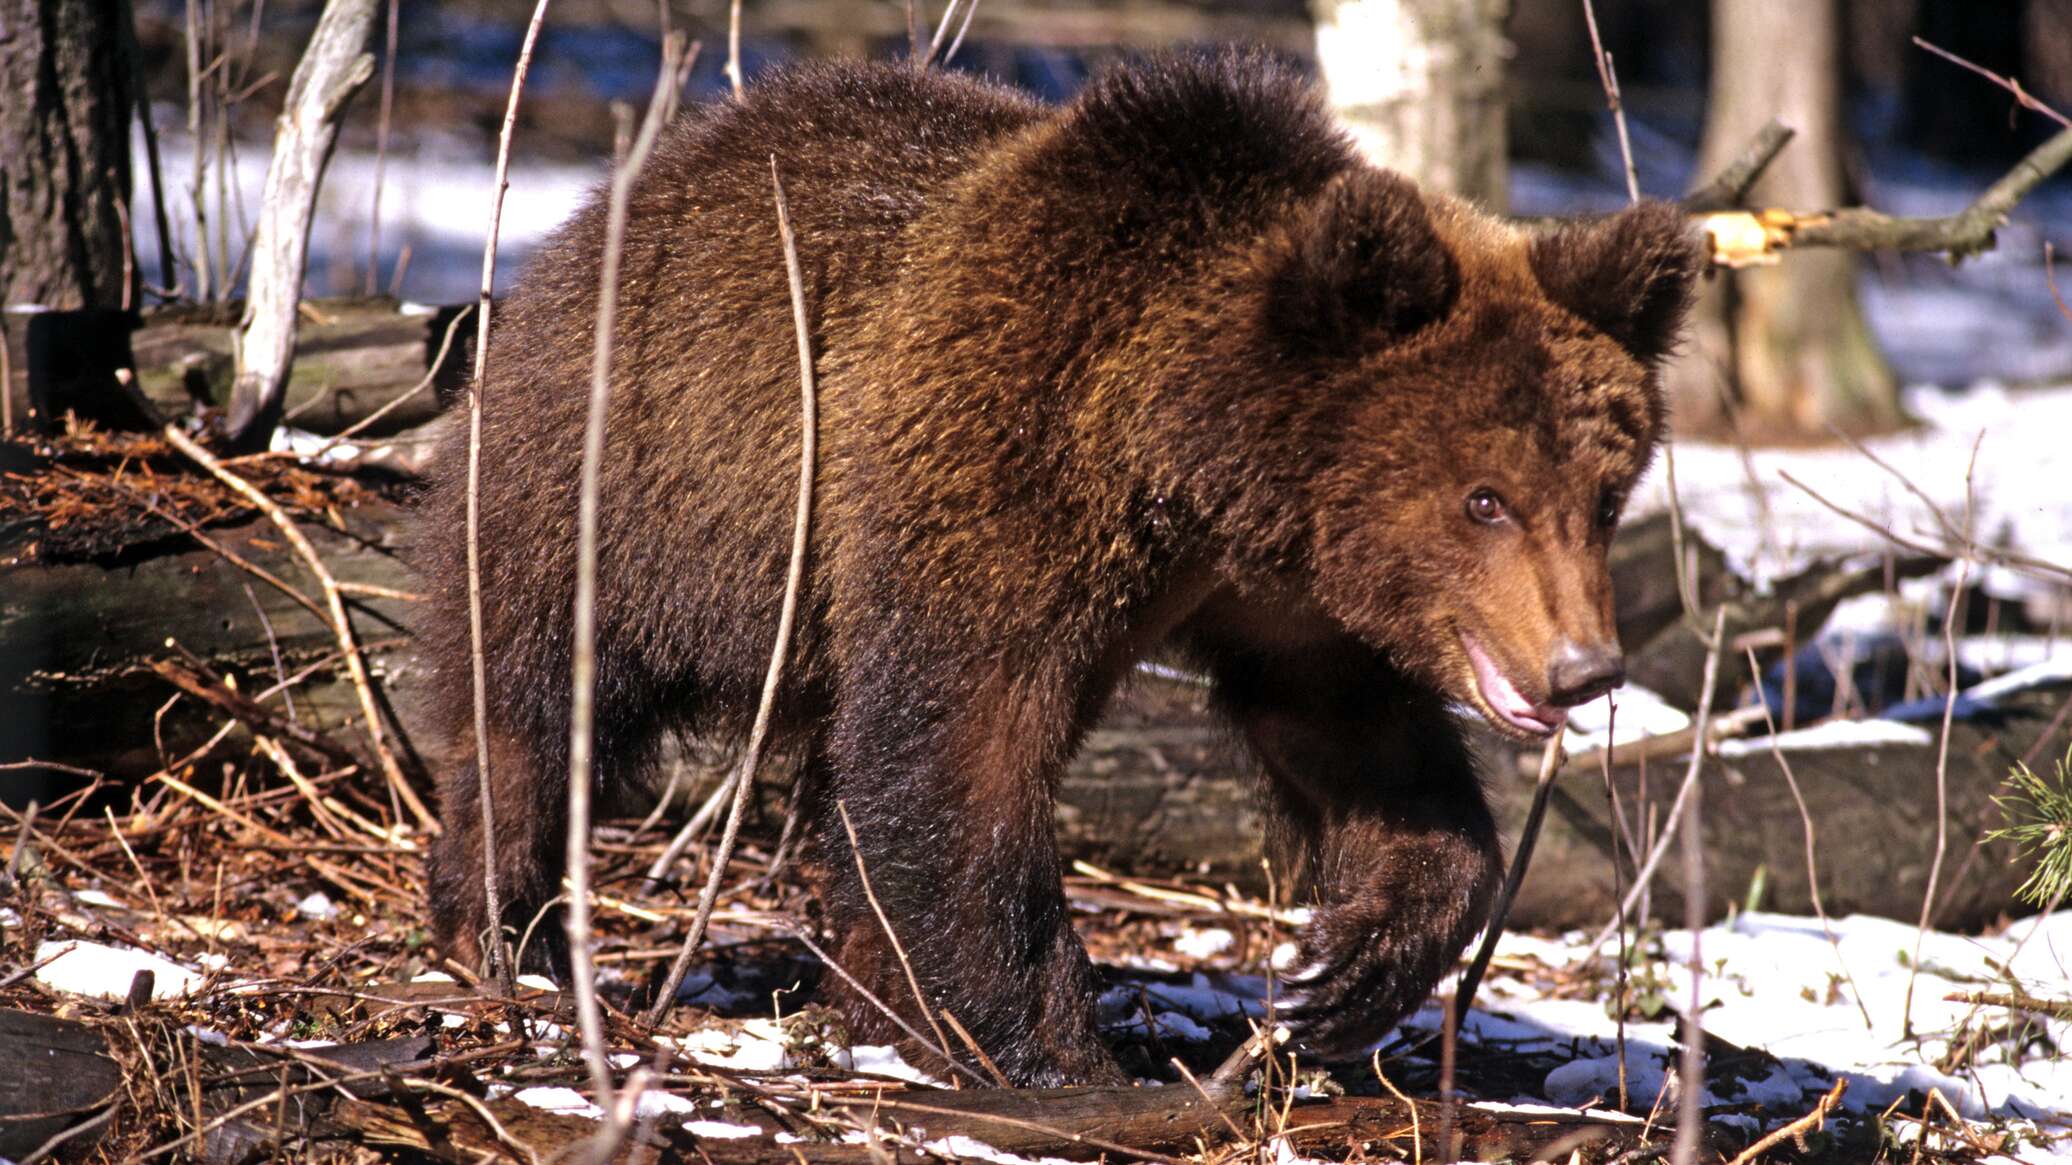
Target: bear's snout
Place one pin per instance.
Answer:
(1579, 673)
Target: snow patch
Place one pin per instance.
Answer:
(719, 1130)
(1205, 943)
(84, 968)
(1833, 734)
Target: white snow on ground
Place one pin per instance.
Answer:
(1204, 943)
(1775, 983)
(1639, 713)
(1834, 734)
(84, 968)
(2021, 484)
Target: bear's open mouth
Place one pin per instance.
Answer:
(1502, 703)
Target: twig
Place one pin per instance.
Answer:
(583, 663)
(1528, 836)
(744, 783)
(1812, 868)
(130, 49)
(425, 382)
(733, 66)
(1609, 78)
(986, 1061)
(721, 795)
(1690, 1118)
(2016, 1000)
(499, 966)
(22, 839)
(798, 933)
(942, 31)
(1986, 554)
(1700, 745)
(2008, 83)
(898, 948)
(1731, 185)
(1964, 233)
(1416, 1134)
(950, 54)
(1942, 753)
(1797, 1129)
(341, 622)
(1449, 1050)
(381, 137)
(1611, 804)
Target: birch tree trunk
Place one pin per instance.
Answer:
(332, 69)
(1783, 350)
(1420, 84)
(65, 102)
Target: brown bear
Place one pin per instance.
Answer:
(1168, 369)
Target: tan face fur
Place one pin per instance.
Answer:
(1464, 521)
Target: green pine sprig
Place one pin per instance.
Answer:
(2039, 825)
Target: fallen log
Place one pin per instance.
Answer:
(1157, 789)
(353, 357)
(77, 1080)
(997, 1119)
(1873, 808)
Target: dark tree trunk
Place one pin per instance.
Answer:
(66, 93)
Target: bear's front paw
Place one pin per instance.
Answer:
(1345, 984)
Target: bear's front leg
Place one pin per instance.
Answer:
(946, 774)
(1376, 805)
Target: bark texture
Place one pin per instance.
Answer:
(331, 71)
(1782, 350)
(1420, 83)
(65, 99)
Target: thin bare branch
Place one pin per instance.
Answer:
(2021, 95)
(1727, 188)
(733, 66)
(1609, 78)
(583, 664)
(499, 966)
(1528, 836)
(381, 138)
(1812, 866)
(744, 781)
(1951, 618)
(1701, 744)
(341, 622)
(898, 948)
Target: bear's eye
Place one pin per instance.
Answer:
(1608, 507)
(1485, 507)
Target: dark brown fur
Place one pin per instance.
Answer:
(1167, 368)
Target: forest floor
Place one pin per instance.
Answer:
(274, 917)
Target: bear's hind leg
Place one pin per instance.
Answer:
(1375, 801)
(529, 803)
(954, 820)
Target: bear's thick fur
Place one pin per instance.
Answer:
(1166, 369)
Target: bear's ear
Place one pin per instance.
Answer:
(1629, 275)
(1361, 263)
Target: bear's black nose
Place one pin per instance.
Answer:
(1578, 674)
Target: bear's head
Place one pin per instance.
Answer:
(1489, 398)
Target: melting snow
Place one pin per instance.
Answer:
(1834, 734)
(84, 968)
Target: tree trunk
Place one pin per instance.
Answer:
(1781, 351)
(65, 98)
(1420, 84)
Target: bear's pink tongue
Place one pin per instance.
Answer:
(1501, 695)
